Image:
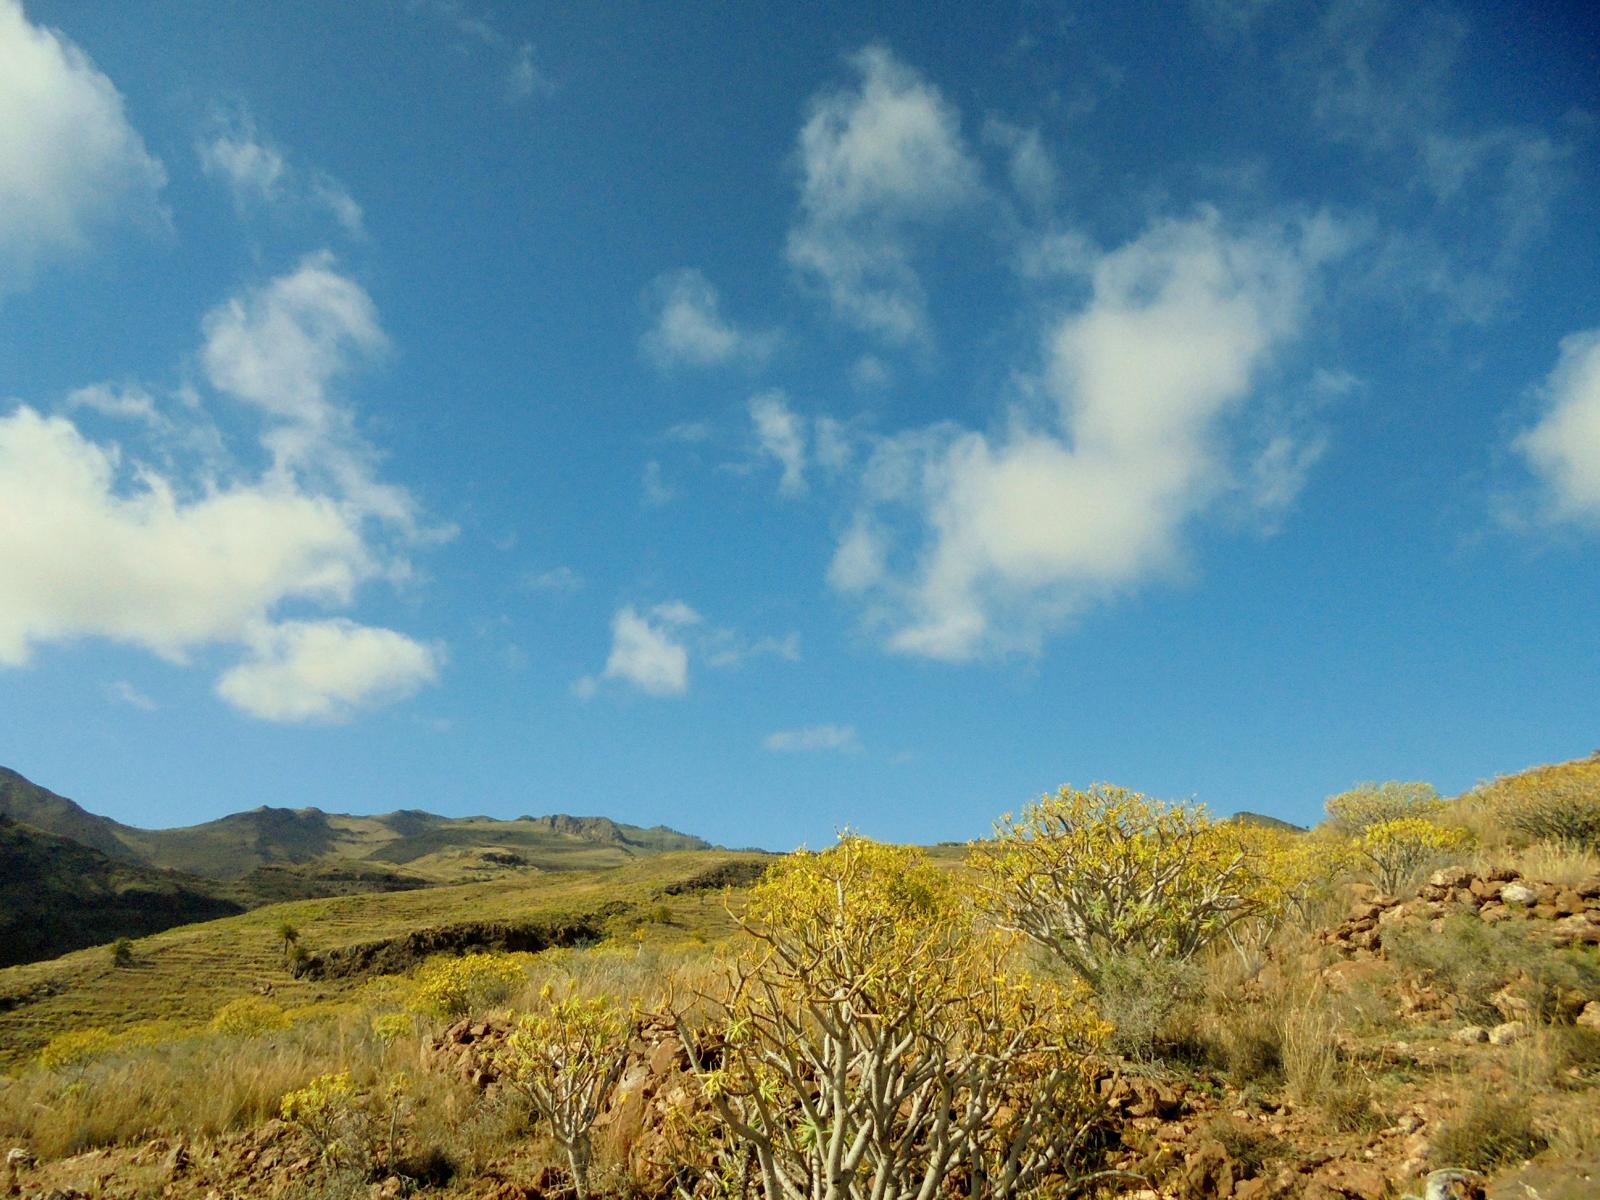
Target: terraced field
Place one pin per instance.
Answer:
(186, 974)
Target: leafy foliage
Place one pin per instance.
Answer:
(249, 1016)
(565, 1057)
(453, 987)
(1352, 813)
(1558, 803)
(874, 1041)
(1395, 851)
(1102, 873)
(74, 1047)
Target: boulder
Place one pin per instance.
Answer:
(1450, 877)
(1589, 1018)
(1518, 893)
(1467, 1036)
(1505, 1034)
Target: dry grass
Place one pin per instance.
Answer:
(187, 974)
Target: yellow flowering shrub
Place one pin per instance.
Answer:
(876, 1039)
(565, 1056)
(75, 1047)
(452, 987)
(1396, 851)
(1353, 812)
(249, 1016)
(1102, 874)
(326, 1109)
(1558, 803)
(391, 1026)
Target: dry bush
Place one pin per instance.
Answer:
(1559, 803)
(1487, 1131)
(1147, 1002)
(1473, 960)
(1316, 1072)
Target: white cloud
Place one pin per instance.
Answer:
(645, 654)
(657, 493)
(1020, 528)
(261, 179)
(524, 78)
(325, 670)
(1563, 446)
(877, 160)
(782, 437)
(556, 579)
(1031, 169)
(70, 162)
(144, 565)
(123, 692)
(652, 650)
(688, 327)
(100, 543)
(814, 737)
(281, 349)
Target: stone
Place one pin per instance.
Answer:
(1469, 1035)
(1486, 889)
(1510, 1003)
(1568, 902)
(1452, 1183)
(1589, 1018)
(1450, 877)
(1351, 1181)
(1510, 1031)
(1518, 893)
(1494, 913)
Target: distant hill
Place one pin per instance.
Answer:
(430, 848)
(57, 895)
(1266, 822)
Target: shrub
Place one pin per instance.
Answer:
(453, 987)
(391, 1026)
(1487, 1132)
(1396, 851)
(1559, 804)
(326, 1109)
(874, 1041)
(1098, 874)
(1352, 813)
(122, 952)
(75, 1047)
(565, 1057)
(1139, 996)
(249, 1016)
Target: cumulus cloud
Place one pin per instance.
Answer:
(646, 652)
(688, 328)
(282, 349)
(1030, 167)
(325, 670)
(782, 437)
(70, 161)
(100, 543)
(1012, 531)
(814, 737)
(651, 651)
(1563, 446)
(260, 178)
(878, 159)
(143, 565)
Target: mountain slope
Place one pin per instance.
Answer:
(57, 895)
(429, 847)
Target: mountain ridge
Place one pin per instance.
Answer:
(437, 847)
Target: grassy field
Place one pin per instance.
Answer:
(186, 974)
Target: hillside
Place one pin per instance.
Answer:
(429, 847)
(57, 895)
(186, 974)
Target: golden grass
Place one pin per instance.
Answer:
(189, 973)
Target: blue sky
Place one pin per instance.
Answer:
(762, 419)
